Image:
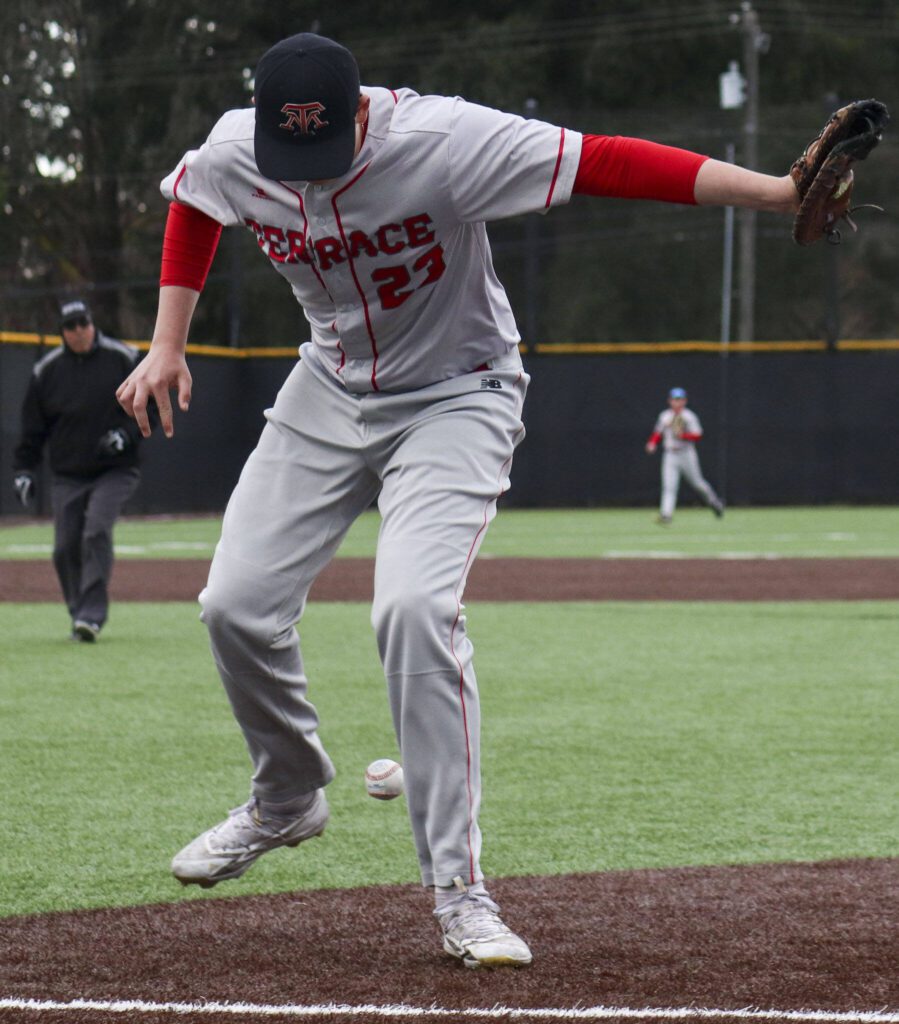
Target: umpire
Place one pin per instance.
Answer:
(70, 406)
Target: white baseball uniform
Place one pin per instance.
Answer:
(410, 392)
(679, 458)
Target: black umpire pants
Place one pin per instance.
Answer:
(84, 513)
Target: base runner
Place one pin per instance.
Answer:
(372, 202)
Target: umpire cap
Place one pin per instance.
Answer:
(72, 308)
(307, 94)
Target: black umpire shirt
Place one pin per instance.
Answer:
(70, 404)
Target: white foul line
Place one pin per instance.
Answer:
(685, 1013)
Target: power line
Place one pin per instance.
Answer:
(612, 30)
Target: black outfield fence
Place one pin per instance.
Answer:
(785, 423)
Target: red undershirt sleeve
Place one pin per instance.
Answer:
(655, 437)
(690, 437)
(625, 168)
(191, 238)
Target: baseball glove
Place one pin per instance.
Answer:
(823, 174)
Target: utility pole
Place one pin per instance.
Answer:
(754, 42)
(726, 302)
(731, 96)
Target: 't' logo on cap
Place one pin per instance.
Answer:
(303, 117)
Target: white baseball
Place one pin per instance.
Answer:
(384, 779)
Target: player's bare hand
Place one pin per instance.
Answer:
(163, 370)
(650, 448)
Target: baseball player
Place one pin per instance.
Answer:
(679, 429)
(70, 407)
(371, 202)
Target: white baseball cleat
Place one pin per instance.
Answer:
(474, 933)
(228, 849)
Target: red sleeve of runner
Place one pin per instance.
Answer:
(690, 437)
(655, 437)
(636, 169)
(188, 247)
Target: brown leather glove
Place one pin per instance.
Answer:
(823, 174)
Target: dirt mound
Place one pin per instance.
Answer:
(786, 936)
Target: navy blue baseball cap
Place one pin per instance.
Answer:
(73, 309)
(677, 393)
(306, 93)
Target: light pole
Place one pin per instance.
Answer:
(731, 96)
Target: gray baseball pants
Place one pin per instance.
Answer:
(436, 459)
(684, 462)
(84, 514)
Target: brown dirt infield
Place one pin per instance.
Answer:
(524, 579)
(786, 936)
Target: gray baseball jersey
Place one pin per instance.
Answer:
(391, 263)
(410, 392)
(671, 439)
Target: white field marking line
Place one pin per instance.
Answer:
(120, 549)
(769, 556)
(169, 545)
(181, 545)
(425, 1012)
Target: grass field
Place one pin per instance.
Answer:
(821, 532)
(616, 735)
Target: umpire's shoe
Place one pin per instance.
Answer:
(474, 933)
(228, 849)
(85, 632)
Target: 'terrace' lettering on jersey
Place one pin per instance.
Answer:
(391, 262)
(394, 283)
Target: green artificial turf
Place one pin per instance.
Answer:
(825, 531)
(616, 735)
